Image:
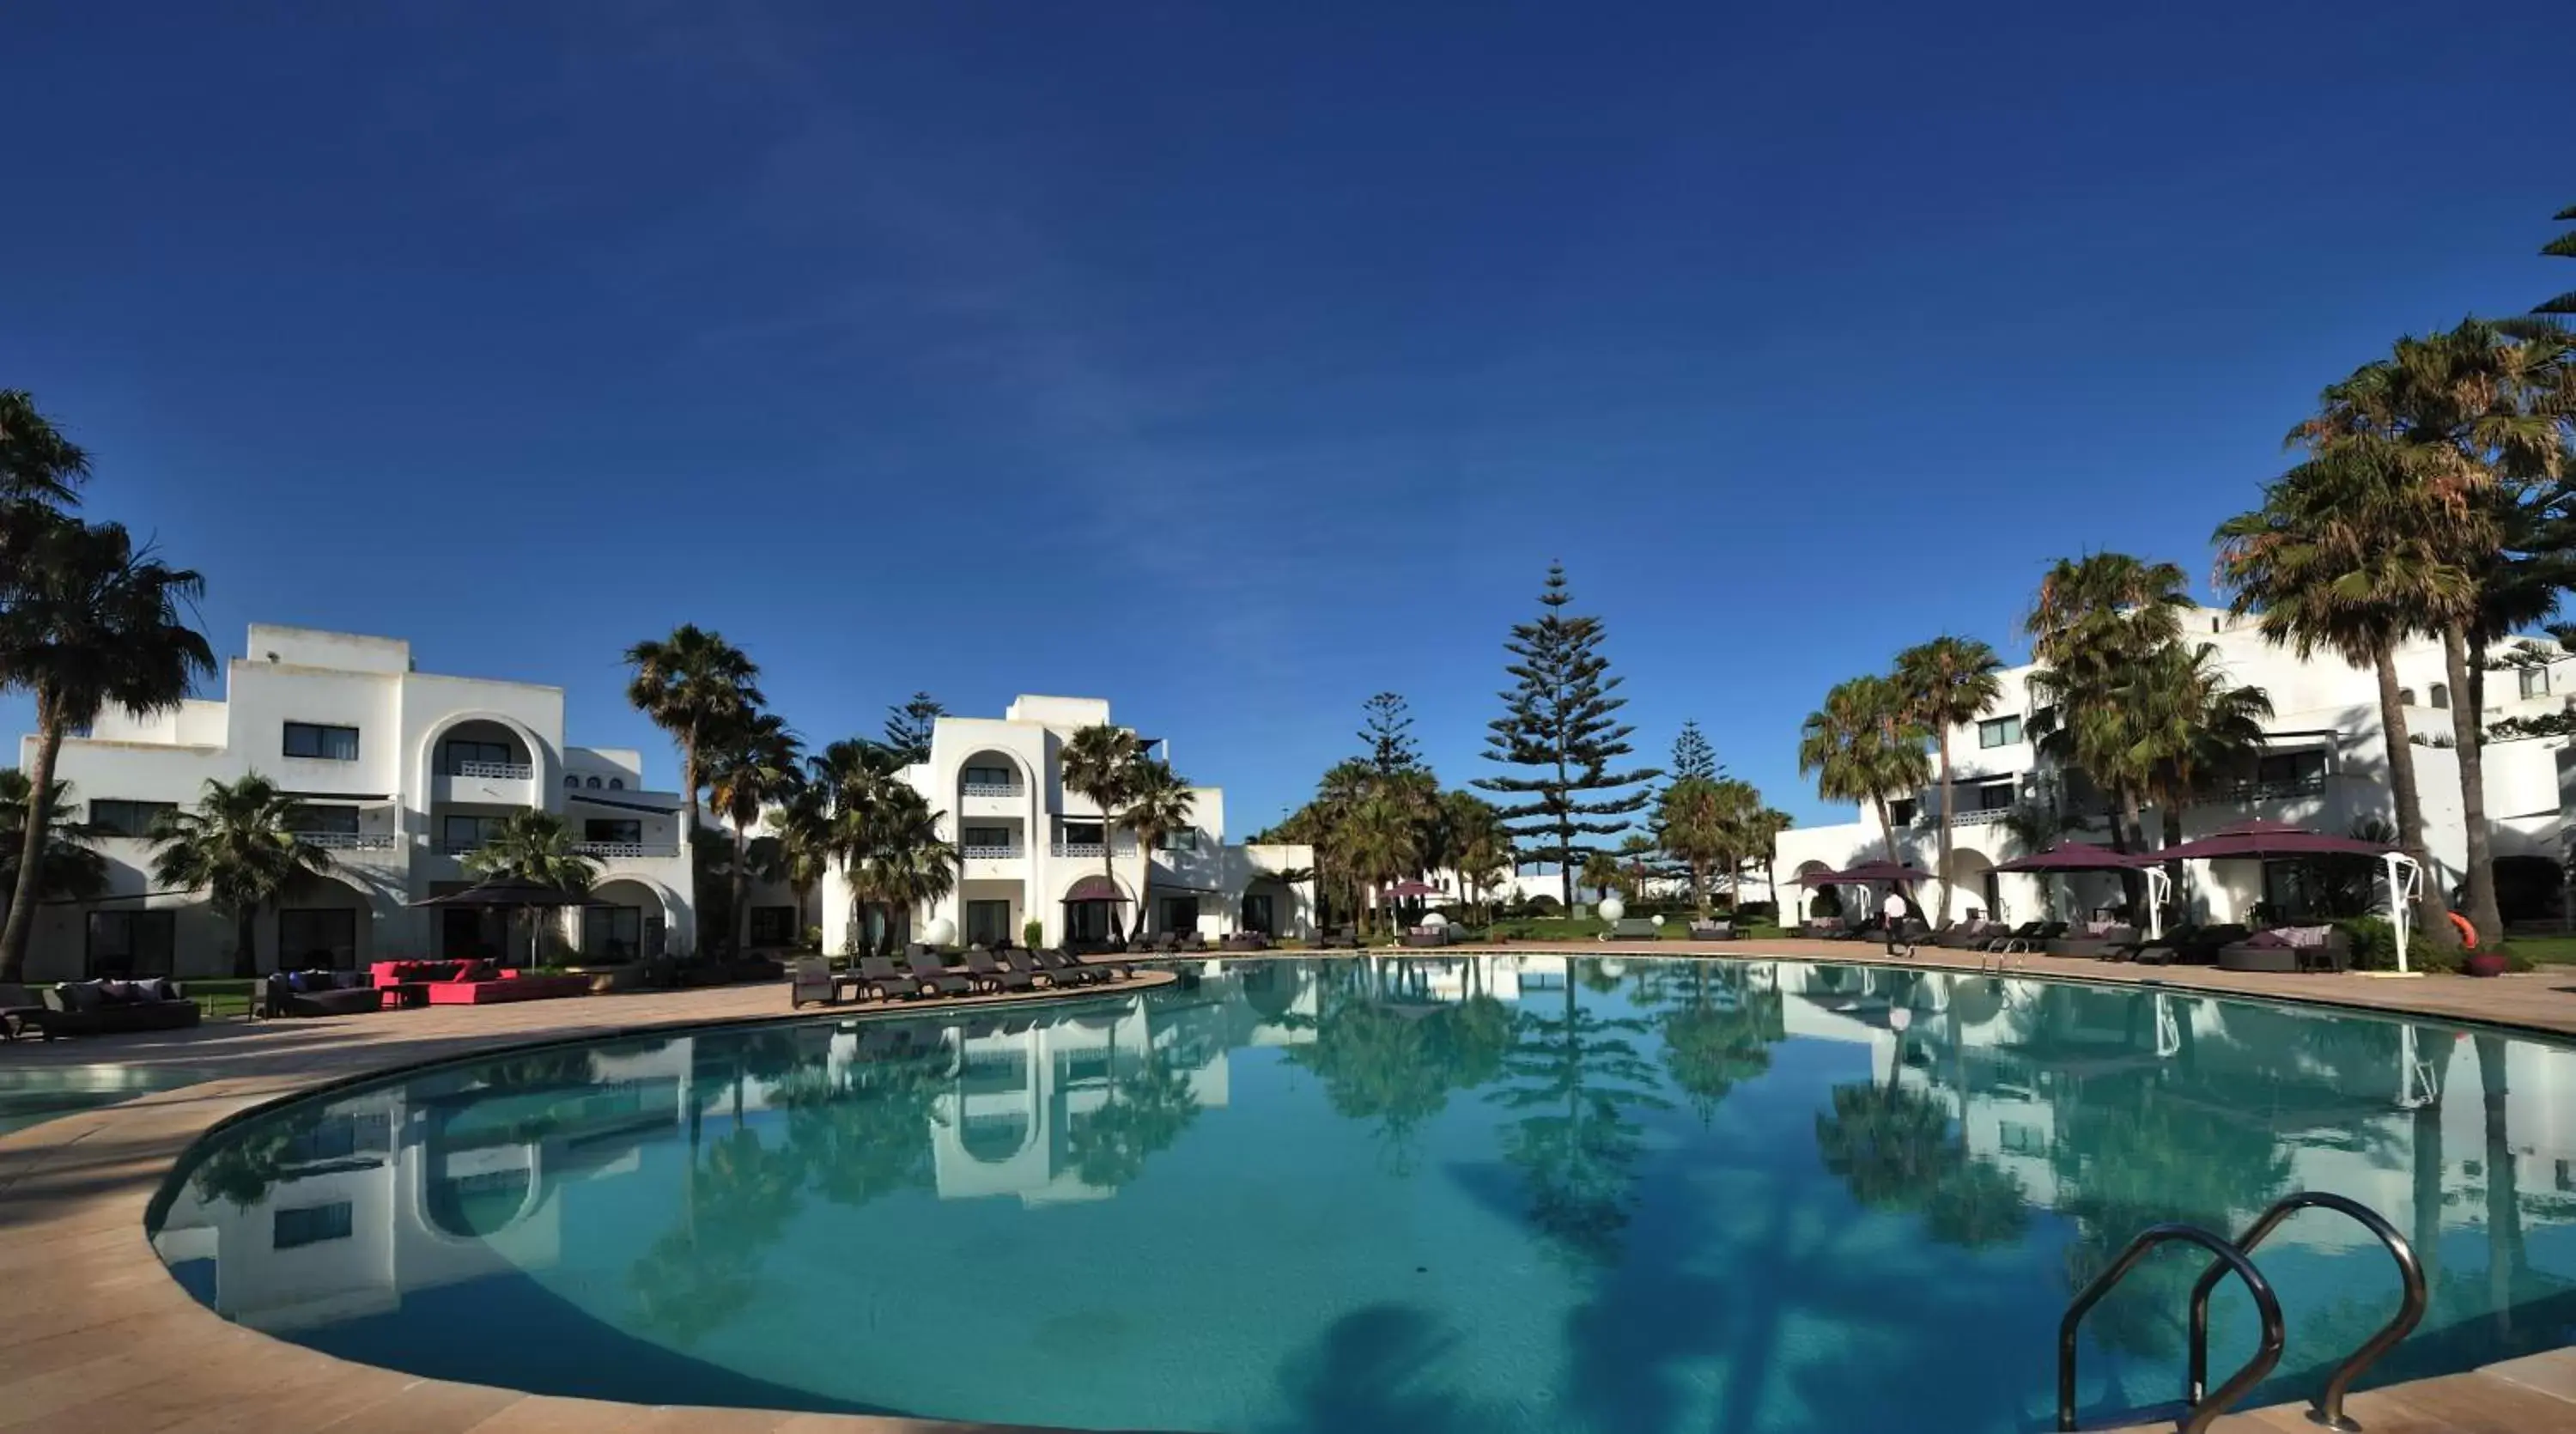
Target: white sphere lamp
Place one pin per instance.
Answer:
(1612, 908)
(1434, 921)
(942, 932)
(1657, 918)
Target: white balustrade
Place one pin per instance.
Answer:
(348, 841)
(994, 853)
(1980, 818)
(628, 850)
(989, 789)
(1126, 847)
(497, 771)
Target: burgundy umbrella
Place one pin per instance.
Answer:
(1819, 878)
(1871, 872)
(2076, 856)
(2266, 841)
(1412, 888)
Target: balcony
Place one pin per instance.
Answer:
(508, 784)
(349, 841)
(2279, 789)
(1982, 817)
(1011, 790)
(497, 771)
(994, 861)
(1126, 846)
(625, 850)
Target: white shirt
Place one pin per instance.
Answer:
(1893, 908)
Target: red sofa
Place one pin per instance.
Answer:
(475, 983)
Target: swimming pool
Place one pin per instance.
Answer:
(32, 1095)
(1461, 1194)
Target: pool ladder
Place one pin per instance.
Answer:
(2199, 1405)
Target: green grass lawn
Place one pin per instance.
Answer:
(2544, 950)
(221, 999)
(1586, 928)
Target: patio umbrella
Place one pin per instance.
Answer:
(1413, 888)
(512, 893)
(1872, 873)
(2278, 841)
(2085, 856)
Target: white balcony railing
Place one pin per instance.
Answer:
(989, 789)
(1985, 817)
(628, 850)
(497, 771)
(460, 848)
(1126, 847)
(348, 841)
(994, 853)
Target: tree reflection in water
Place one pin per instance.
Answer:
(1576, 1078)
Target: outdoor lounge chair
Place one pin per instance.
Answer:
(1193, 941)
(1246, 941)
(21, 1011)
(1346, 937)
(1970, 935)
(2002, 939)
(99, 1008)
(2316, 947)
(1066, 971)
(316, 993)
(2035, 941)
(1024, 961)
(1712, 931)
(933, 972)
(2097, 946)
(881, 981)
(992, 975)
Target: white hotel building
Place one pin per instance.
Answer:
(2325, 767)
(1032, 847)
(401, 773)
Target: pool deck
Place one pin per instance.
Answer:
(100, 1340)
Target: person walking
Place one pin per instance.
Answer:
(1892, 911)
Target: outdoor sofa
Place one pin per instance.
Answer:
(1632, 928)
(2095, 940)
(2289, 948)
(1712, 931)
(101, 1008)
(317, 993)
(474, 983)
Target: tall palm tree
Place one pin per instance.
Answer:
(751, 765)
(1863, 746)
(237, 845)
(1478, 843)
(2097, 621)
(1382, 841)
(860, 782)
(1948, 682)
(1708, 824)
(2463, 416)
(38, 466)
(2192, 723)
(89, 620)
(2318, 579)
(1768, 824)
(1100, 763)
(802, 851)
(1158, 802)
(534, 846)
(692, 684)
(897, 859)
(68, 868)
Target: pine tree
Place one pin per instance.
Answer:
(1561, 724)
(1386, 725)
(1692, 756)
(907, 728)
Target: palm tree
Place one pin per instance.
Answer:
(2192, 722)
(2462, 417)
(1708, 824)
(239, 847)
(1382, 841)
(89, 620)
(801, 853)
(1479, 845)
(2304, 565)
(859, 782)
(750, 765)
(38, 466)
(898, 859)
(1764, 842)
(692, 684)
(1099, 764)
(1948, 682)
(1158, 802)
(534, 846)
(68, 869)
(2097, 621)
(1864, 746)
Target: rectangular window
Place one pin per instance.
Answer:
(2291, 769)
(1999, 731)
(459, 834)
(988, 922)
(2018, 1139)
(126, 944)
(1185, 839)
(317, 939)
(310, 1225)
(323, 819)
(2535, 682)
(1902, 813)
(998, 837)
(1086, 921)
(612, 933)
(329, 744)
(460, 753)
(629, 830)
(1082, 834)
(1256, 914)
(1180, 914)
(338, 1137)
(117, 817)
(990, 777)
(1995, 797)
(773, 926)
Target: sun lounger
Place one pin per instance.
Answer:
(1066, 971)
(1014, 958)
(932, 971)
(984, 971)
(881, 981)
(2096, 946)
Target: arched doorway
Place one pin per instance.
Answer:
(628, 921)
(1820, 900)
(2530, 888)
(1973, 884)
(323, 923)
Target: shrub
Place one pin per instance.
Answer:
(1033, 933)
(2374, 944)
(1544, 906)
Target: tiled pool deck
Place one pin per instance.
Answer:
(100, 1340)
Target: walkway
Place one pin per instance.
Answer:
(101, 1340)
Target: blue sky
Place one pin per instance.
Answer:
(1232, 362)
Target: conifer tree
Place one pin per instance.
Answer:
(1560, 729)
(1692, 756)
(907, 728)
(1386, 726)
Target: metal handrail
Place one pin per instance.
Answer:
(2199, 1413)
(2327, 1408)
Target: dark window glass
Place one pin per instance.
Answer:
(1082, 833)
(986, 836)
(1901, 813)
(1185, 839)
(1256, 914)
(322, 819)
(311, 1225)
(317, 939)
(1994, 797)
(612, 933)
(467, 833)
(1999, 731)
(988, 922)
(329, 744)
(591, 783)
(125, 944)
(460, 753)
(773, 926)
(990, 777)
(617, 784)
(1180, 914)
(630, 831)
(116, 817)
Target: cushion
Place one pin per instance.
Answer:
(2268, 941)
(118, 993)
(157, 988)
(2306, 937)
(79, 995)
(299, 982)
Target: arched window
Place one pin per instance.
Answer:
(617, 784)
(571, 781)
(2405, 696)
(2441, 694)
(592, 783)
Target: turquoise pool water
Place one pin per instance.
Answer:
(1465, 1195)
(32, 1095)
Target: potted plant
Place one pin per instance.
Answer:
(2485, 963)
